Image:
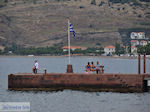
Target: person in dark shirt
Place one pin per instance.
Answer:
(92, 66)
(97, 67)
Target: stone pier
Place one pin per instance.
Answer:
(81, 81)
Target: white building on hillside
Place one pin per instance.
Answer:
(134, 42)
(138, 38)
(109, 50)
(65, 48)
(137, 35)
(143, 42)
(133, 49)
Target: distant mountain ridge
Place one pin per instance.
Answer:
(40, 23)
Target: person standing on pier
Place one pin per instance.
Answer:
(36, 67)
(97, 67)
(92, 66)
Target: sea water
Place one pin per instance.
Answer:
(68, 100)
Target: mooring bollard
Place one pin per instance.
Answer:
(45, 71)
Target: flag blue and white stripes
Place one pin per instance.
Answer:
(72, 30)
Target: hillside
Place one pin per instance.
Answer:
(40, 23)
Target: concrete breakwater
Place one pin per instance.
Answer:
(79, 81)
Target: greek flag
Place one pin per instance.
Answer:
(72, 30)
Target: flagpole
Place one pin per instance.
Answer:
(69, 39)
(69, 66)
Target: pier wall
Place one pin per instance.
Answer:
(86, 82)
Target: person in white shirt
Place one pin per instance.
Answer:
(36, 67)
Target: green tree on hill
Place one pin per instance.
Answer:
(127, 1)
(93, 2)
(145, 0)
(5, 1)
(1, 3)
(118, 49)
(144, 49)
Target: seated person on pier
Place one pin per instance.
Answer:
(93, 68)
(88, 67)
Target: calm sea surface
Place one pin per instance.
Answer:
(68, 100)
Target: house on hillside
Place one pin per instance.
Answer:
(139, 42)
(133, 49)
(143, 42)
(137, 35)
(65, 48)
(109, 50)
(138, 38)
(134, 42)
